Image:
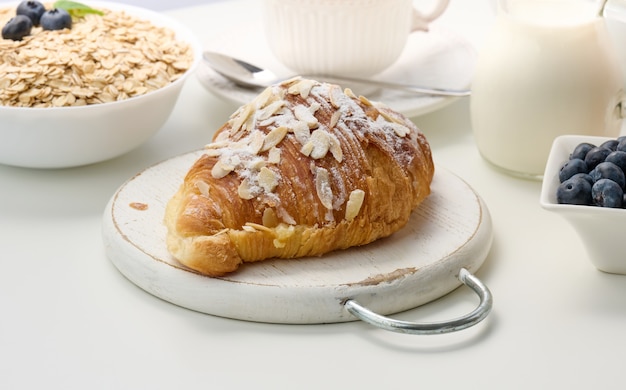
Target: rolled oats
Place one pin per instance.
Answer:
(101, 59)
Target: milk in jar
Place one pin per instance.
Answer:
(547, 69)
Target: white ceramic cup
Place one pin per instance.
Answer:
(342, 37)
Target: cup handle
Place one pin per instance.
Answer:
(421, 20)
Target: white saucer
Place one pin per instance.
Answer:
(438, 58)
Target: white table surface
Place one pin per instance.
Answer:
(70, 320)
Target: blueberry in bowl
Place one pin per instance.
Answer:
(17, 28)
(31, 9)
(585, 183)
(56, 19)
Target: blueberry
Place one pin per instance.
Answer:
(581, 150)
(618, 158)
(621, 144)
(32, 9)
(610, 144)
(56, 19)
(584, 176)
(572, 167)
(595, 156)
(607, 193)
(608, 170)
(574, 191)
(17, 28)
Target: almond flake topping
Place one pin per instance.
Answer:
(387, 121)
(217, 144)
(302, 132)
(307, 149)
(256, 164)
(270, 110)
(249, 123)
(333, 93)
(256, 141)
(291, 81)
(365, 101)
(270, 219)
(246, 191)
(303, 88)
(264, 98)
(400, 130)
(322, 187)
(306, 114)
(318, 144)
(388, 116)
(274, 137)
(221, 169)
(268, 180)
(237, 122)
(203, 187)
(334, 119)
(355, 201)
(349, 93)
(273, 157)
(335, 147)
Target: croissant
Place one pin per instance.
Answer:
(302, 170)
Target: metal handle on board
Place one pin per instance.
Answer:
(460, 323)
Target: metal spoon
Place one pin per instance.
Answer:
(247, 75)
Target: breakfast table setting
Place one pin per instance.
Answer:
(505, 288)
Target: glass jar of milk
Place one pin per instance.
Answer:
(546, 69)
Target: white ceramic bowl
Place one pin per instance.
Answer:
(600, 229)
(73, 136)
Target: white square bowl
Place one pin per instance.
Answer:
(602, 230)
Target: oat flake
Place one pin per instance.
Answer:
(102, 59)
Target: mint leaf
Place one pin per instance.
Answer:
(76, 9)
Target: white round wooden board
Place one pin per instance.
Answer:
(449, 231)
